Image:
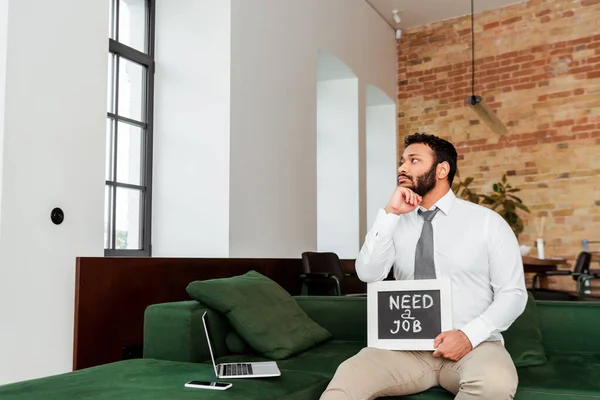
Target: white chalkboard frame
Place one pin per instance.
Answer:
(443, 285)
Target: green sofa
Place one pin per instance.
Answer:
(175, 351)
(571, 340)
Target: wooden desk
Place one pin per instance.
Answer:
(535, 265)
(531, 265)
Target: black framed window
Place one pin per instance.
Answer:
(128, 194)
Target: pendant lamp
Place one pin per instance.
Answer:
(476, 103)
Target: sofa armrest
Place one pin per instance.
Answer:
(570, 326)
(344, 317)
(174, 331)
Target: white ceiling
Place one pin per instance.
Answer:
(421, 12)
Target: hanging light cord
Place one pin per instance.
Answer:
(472, 52)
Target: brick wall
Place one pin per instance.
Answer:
(538, 67)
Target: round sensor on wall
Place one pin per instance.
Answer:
(57, 216)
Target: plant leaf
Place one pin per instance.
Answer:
(468, 181)
(515, 197)
(496, 204)
(522, 206)
(487, 199)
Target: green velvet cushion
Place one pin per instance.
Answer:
(147, 379)
(235, 344)
(262, 313)
(574, 374)
(523, 339)
(323, 359)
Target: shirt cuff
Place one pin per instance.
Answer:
(476, 331)
(385, 223)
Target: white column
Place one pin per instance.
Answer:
(337, 167)
(191, 129)
(381, 151)
(3, 45)
(54, 126)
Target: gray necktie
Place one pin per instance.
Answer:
(424, 265)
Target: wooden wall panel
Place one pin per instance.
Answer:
(112, 294)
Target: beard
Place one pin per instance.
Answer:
(423, 184)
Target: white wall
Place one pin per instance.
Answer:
(382, 148)
(273, 170)
(53, 143)
(191, 136)
(3, 43)
(337, 167)
(54, 135)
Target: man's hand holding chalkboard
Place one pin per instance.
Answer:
(403, 201)
(452, 345)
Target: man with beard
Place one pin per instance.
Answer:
(425, 232)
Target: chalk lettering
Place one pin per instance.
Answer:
(417, 326)
(406, 301)
(406, 314)
(416, 300)
(406, 325)
(427, 301)
(397, 322)
(411, 301)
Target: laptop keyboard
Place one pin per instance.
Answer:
(238, 369)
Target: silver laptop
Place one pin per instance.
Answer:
(264, 369)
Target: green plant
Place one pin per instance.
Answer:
(502, 200)
(504, 203)
(461, 189)
(121, 239)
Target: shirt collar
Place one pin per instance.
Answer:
(445, 203)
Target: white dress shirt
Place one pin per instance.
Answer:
(473, 247)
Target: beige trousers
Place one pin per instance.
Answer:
(486, 372)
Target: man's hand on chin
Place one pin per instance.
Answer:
(452, 345)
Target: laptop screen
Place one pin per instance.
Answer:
(212, 357)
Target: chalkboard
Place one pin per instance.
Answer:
(408, 314)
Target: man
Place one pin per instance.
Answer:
(468, 244)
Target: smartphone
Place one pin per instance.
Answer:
(208, 385)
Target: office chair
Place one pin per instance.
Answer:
(581, 269)
(323, 274)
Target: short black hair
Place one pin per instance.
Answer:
(443, 150)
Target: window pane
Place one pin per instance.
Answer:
(129, 154)
(107, 215)
(133, 22)
(110, 137)
(128, 209)
(111, 19)
(110, 95)
(131, 89)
